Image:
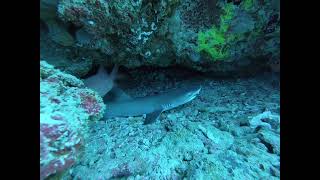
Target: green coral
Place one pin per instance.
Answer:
(214, 41)
(247, 4)
(227, 14)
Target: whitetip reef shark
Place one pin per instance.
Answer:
(123, 106)
(152, 106)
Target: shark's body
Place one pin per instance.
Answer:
(121, 105)
(152, 106)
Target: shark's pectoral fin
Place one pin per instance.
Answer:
(152, 117)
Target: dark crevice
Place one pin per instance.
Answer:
(268, 145)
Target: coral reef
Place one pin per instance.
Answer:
(57, 31)
(222, 37)
(58, 44)
(231, 130)
(66, 110)
(127, 30)
(214, 41)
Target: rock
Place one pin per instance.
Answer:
(66, 109)
(57, 31)
(218, 109)
(265, 119)
(271, 140)
(59, 34)
(187, 156)
(172, 117)
(168, 32)
(83, 38)
(221, 139)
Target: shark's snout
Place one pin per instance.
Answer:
(193, 93)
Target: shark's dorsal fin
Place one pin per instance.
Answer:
(152, 117)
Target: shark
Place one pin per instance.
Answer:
(151, 106)
(119, 104)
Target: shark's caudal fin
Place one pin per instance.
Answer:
(102, 82)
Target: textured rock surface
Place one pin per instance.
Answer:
(57, 31)
(224, 37)
(66, 110)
